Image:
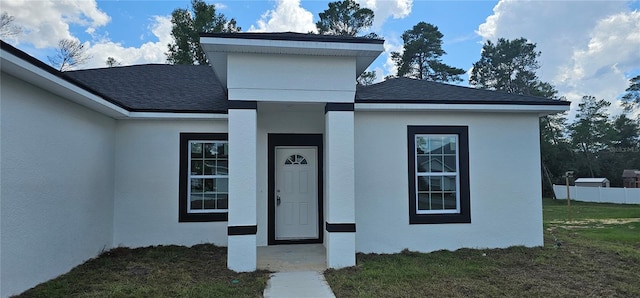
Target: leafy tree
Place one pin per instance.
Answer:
(508, 65)
(544, 89)
(556, 155)
(344, 18)
(367, 78)
(69, 54)
(632, 97)
(591, 131)
(555, 151)
(347, 18)
(623, 151)
(7, 28)
(372, 35)
(626, 132)
(421, 56)
(591, 145)
(111, 62)
(187, 26)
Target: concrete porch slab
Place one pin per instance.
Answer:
(295, 257)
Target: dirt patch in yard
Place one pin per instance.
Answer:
(598, 221)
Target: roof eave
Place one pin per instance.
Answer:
(177, 115)
(22, 66)
(539, 109)
(365, 53)
(38, 75)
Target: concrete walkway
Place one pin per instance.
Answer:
(298, 270)
(297, 284)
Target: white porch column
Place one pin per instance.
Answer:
(242, 227)
(339, 185)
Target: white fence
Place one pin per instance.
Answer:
(599, 194)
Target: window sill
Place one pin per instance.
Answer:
(203, 217)
(439, 218)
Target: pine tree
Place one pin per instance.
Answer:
(187, 26)
(421, 58)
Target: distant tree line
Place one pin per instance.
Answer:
(595, 144)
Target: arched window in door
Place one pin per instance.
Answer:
(296, 159)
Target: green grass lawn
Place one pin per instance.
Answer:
(590, 250)
(162, 271)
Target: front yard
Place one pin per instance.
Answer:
(163, 271)
(590, 250)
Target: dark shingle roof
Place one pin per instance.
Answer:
(630, 173)
(194, 88)
(405, 90)
(293, 36)
(157, 87)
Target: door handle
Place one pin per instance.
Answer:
(278, 201)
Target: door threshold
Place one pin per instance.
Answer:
(295, 241)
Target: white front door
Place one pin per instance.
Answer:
(296, 211)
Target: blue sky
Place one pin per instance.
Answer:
(588, 47)
(457, 20)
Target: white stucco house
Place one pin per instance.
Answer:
(272, 144)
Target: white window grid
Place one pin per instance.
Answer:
(191, 176)
(437, 174)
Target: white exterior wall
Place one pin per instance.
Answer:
(307, 122)
(504, 170)
(242, 161)
(339, 178)
(290, 78)
(57, 182)
(339, 187)
(241, 251)
(147, 181)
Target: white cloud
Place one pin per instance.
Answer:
(599, 67)
(587, 46)
(45, 22)
(384, 9)
(149, 52)
(391, 44)
(288, 15)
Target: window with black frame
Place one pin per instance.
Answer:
(438, 174)
(204, 177)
